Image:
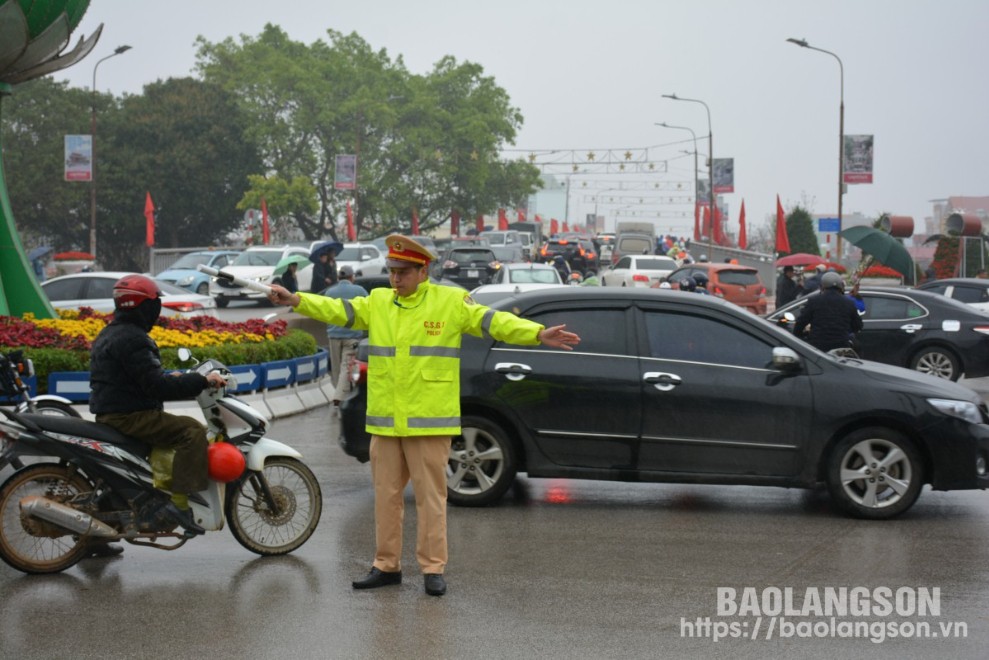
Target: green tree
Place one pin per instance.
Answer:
(800, 231)
(37, 117)
(184, 141)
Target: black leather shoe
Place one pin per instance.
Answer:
(184, 517)
(105, 550)
(378, 578)
(435, 584)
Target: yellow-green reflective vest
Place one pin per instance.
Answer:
(413, 374)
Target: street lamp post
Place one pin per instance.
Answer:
(92, 133)
(694, 135)
(710, 148)
(841, 130)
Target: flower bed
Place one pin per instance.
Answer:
(63, 344)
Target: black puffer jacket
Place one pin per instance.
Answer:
(125, 370)
(832, 317)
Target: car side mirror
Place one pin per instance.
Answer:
(785, 359)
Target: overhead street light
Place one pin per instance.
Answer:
(694, 135)
(92, 132)
(710, 147)
(841, 129)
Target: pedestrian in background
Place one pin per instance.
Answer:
(413, 404)
(323, 273)
(343, 341)
(786, 287)
(289, 279)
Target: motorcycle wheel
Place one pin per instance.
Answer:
(32, 545)
(299, 505)
(56, 408)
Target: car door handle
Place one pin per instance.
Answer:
(513, 370)
(662, 381)
(911, 328)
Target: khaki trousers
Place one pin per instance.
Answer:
(394, 460)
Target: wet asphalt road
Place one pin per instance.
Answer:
(559, 569)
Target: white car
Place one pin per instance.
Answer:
(258, 263)
(526, 273)
(643, 270)
(95, 290)
(364, 258)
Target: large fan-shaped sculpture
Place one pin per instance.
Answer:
(33, 37)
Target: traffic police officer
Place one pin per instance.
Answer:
(413, 405)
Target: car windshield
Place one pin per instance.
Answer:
(349, 254)
(258, 258)
(190, 261)
(739, 277)
(506, 253)
(169, 289)
(655, 264)
(468, 256)
(533, 276)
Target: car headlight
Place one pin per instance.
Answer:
(185, 281)
(961, 409)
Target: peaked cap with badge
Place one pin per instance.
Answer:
(404, 251)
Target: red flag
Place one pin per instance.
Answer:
(502, 220)
(149, 221)
(717, 233)
(265, 230)
(454, 223)
(415, 222)
(782, 240)
(743, 240)
(480, 223)
(697, 222)
(554, 226)
(706, 225)
(565, 228)
(351, 230)
(521, 213)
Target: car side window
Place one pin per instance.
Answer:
(694, 338)
(100, 287)
(879, 308)
(221, 261)
(624, 262)
(64, 289)
(969, 294)
(601, 331)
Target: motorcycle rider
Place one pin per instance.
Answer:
(833, 317)
(129, 387)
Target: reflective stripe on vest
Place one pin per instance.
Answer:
(433, 422)
(349, 309)
(486, 323)
(385, 422)
(381, 351)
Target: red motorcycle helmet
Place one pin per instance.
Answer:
(225, 462)
(132, 290)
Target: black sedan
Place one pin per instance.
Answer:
(671, 387)
(469, 267)
(918, 330)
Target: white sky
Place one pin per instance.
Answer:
(590, 75)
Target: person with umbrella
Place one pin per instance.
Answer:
(289, 280)
(324, 273)
(37, 256)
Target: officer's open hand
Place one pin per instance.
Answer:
(281, 296)
(558, 337)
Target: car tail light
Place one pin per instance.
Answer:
(639, 277)
(184, 307)
(981, 329)
(581, 252)
(449, 264)
(542, 250)
(718, 291)
(761, 291)
(494, 265)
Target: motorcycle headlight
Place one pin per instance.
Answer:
(961, 409)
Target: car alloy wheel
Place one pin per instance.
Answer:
(482, 464)
(936, 362)
(875, 473)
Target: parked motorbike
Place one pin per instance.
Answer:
(14, 368)
(95, 484)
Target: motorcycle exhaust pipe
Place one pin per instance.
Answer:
(65, 517)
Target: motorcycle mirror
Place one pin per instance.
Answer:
(184, 354)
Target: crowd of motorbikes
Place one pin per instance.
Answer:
(78, 483)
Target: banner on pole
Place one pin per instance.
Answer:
(724, 175)
(857, 164)
(345, 175)
(78, 157)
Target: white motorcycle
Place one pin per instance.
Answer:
(87, 482)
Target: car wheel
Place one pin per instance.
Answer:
(938, 362)
(875, 473)
(221, 302)
(482, 464)
(203, 289)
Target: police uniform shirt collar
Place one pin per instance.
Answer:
(415, 299)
